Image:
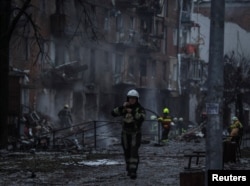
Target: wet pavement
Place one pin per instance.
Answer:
(159, 165)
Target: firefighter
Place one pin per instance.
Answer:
(133, 116)
(165, 121)
(65, 116)
(203, 124)
(235, 129)
(180, 126)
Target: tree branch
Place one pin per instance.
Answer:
(17, 18)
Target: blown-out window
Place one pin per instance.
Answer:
(119, 23)
(164, 70)
(131, 65)
(195, 69)
(153, 69)
(118, 63)
(143, 67)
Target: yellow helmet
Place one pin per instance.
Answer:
(165, 111)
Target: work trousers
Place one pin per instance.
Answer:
(65, 122)
(131, 142)
(165, 133)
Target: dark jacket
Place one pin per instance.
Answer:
(65, 116)
(131, 121)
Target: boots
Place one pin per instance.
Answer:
(133, 175)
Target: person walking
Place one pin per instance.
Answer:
(166, 121)
(133, 115)
(65, 116)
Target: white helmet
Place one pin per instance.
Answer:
(234, 118)
(180, 119)
(133, 93)
(175, 119)
(153, 117)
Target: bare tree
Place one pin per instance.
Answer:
(9, 18)
(236, 81)
(86, 20)
(7, 27)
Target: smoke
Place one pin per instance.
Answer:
(45, 103)
(108, 132)
(50, 102)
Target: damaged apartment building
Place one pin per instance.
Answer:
(93, 52)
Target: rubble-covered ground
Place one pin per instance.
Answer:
(159, 165)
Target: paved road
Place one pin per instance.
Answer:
(159, 165)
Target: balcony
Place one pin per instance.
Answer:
(126, 39)
(122, 79)
(63, 75)
(190, 50)
(195, 70)
(125, 4)
(148, 43)
(149, 7)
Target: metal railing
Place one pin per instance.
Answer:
(91, 129)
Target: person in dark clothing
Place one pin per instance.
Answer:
(133, 116)
(65, 117)
(203, 123)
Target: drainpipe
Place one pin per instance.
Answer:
(164, 9)
(180, 3)
(179, 72)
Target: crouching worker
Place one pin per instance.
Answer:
(230, 150)
(133, 116)
(235, 129)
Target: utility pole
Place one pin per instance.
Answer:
(214, 102)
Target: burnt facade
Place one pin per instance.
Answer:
(93, 52)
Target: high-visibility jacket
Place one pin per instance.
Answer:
(235, 128)
(236, 124)
(165, 121)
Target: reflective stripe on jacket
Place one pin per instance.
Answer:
(236, 124)
(165, 121)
